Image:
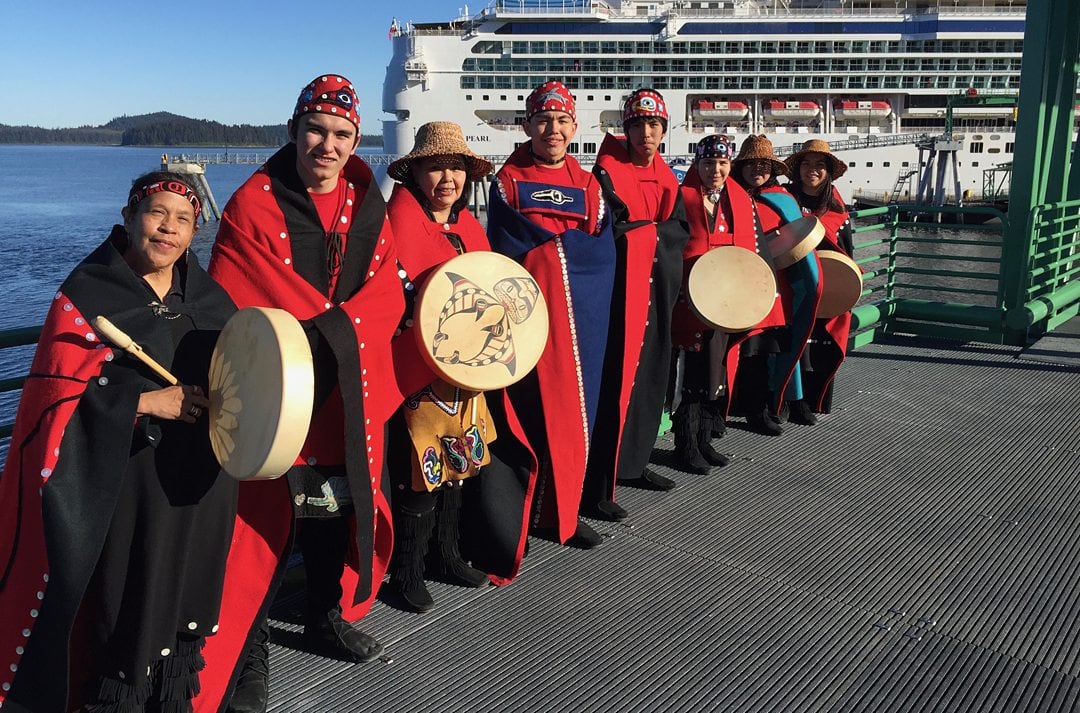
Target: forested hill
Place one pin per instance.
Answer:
(157, 129)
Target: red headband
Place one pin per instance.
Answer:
(137, 195)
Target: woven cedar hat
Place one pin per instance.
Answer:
(440, 138)
(759, 148)
(837, 167)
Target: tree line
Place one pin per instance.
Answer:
(158, 129)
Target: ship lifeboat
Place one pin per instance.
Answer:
(780, 109)
(858, 109)
(707, 109)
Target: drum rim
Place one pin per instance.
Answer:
(298, 386)
(713, 325)
(807, 245)
(854, 269)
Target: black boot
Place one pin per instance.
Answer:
(251, 690)
(323, 543)
(709, 417)
(719, 408)
(800, 413)
(762, 422)
(447, 560)
(412, 532)
(685, 423)
(328, 634)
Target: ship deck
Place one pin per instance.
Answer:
(918, 550)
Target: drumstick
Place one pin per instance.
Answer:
(120, 338)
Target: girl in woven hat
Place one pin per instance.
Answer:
(756, 169)
(438, 421)
(813, 169)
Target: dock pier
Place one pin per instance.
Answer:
(196, 172)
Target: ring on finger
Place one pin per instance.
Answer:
(195, 411)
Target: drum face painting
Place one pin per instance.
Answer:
(731, 288)
(841, 283)
(793, 241)
(262, 390)
(481, 321)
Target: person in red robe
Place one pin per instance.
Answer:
(756, 169)
(307, 233)
(115, 516)
(444, 435)
(813, 168)
(720, 213)
(650, 234)
(547, 213)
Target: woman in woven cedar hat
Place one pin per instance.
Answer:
(813, 168)
(432, 223)
(757, 169)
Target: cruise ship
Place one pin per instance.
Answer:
(902, 89)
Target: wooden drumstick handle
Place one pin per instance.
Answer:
(120, 338)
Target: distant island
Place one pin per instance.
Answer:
(158, 129)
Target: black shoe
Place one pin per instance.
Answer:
(650, 480)
(713, 456)
(584, 538)
(445, 560)
(607, 510)
(801, 413)
(252, 687)
(414, 594)
(329, 635)
(693, 462)
(763, 424)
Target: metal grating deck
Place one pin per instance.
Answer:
(919, 550)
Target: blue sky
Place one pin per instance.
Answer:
(65, 63)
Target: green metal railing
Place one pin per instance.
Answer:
(923, 277)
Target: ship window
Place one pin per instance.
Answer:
(468, 82)
(573, 148)
(905, 164)
(537, 47)
(468, 97)
(974, 164)
(787, 47)
(590, 47)
(697, 48)
(502, 97)
(993, 149)
(590, 147)
(555, 48)
(768, 48)
(976, 147)
(573, 48)
(716, 47)
(869, 164)
(519, 47)
(1009, 147)
(608, 47)
(626, 48)
(886, 164)
(851, 164)
(663, 147)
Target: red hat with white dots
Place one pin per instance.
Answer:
(329, 94)
(645, 103)
(550, 96)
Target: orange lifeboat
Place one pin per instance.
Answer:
(861, 109)
(708, 109)
(781, 109)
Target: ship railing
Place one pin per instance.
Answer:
(1051, 281)
(558, 8)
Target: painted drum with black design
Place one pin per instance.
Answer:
(481, 321)
(731, 288)
(262, 391)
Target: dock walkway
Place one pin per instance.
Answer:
(918, 550)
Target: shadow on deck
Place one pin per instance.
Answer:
(918, 550)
